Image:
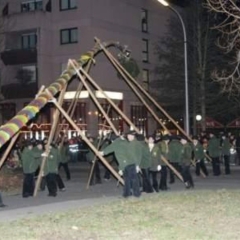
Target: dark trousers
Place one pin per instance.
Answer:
(66, 169)
(187, 176)
(227, 164)
(28, 185)
(155, 185)
(163, 179)
(51, 181)
(1, 201)
(131, 186)
(200, 165)
(59, 182)
(216, 166)
(146, 184)
(177, 167)
(43, 184)
(96, 177)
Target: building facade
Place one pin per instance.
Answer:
(37, 37)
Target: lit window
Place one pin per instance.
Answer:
(29, 40)
(144, 20)
(68, 4)
(145, 50)
(69, 35)
(32, 5)
(139, 118)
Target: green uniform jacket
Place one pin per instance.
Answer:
(155, 157)
(135, 151)
(214, 147)
(198, 151)
(63, 154)
(164, 151)
(146, 156)
(186, 154)
(52, 161)
(30, 160)
(226, 145)
(120, 147)
(175, 151)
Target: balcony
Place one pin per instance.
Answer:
(19, 56)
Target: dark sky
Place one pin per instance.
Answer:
(180, 3)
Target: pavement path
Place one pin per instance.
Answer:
(76, 194)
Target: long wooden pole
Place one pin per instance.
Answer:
(120, 112)
(50, 139)
(105, 162)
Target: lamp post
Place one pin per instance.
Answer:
(166, 4)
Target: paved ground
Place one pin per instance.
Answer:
(77, 195)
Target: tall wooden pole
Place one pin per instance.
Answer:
(74, 125)
(50, 139)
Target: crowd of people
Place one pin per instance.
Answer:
(141, 161)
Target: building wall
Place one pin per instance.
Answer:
(109, 20)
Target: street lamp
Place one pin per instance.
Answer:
(166, 4)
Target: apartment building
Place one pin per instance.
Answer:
(37, 37)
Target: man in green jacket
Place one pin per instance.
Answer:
(64, 158)
(214, 152)
(164, 151)
(51, 171)
(30, 162)
(226, 146)
(128, 154)
(186, 158)
(199, 156)
(145, 165)
(174, 155)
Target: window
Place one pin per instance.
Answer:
(69, 35)
(31, 72)
(8, 111)
(144, 20)
(145, 50)
(29, 40)
(67, 4)
(80, 115)
(145, 78)
(32, 5)
(139, 118)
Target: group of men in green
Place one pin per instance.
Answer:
(31, 159)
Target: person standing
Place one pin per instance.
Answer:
(155, 166)
(226, 145)
(174, 155)
(2, 205)
(164, 150)
(51, 170)
(30, 162)
(145, 165)
(199, 156)
(64, 159)
(186, 162)
(214, 152)
(127, 154)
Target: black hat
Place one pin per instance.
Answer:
(140, 137)
(195, 138)
(183, 137)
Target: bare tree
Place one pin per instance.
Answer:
(227, 14)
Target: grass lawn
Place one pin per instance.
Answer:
(169, 215)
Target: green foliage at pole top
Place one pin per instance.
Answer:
(130, 65)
